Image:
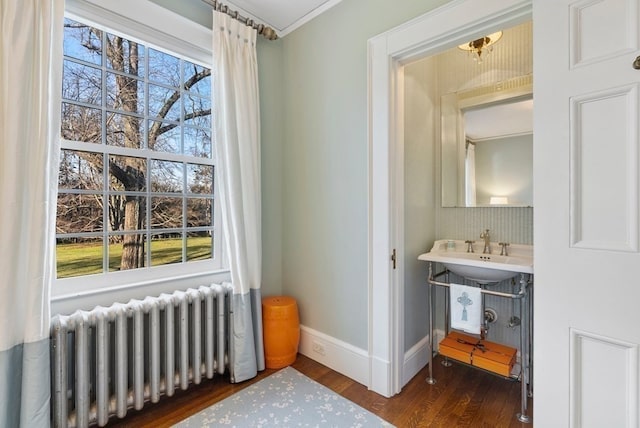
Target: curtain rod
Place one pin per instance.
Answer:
(265, 31)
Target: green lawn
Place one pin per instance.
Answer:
(86, 258)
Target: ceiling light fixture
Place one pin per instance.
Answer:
(481, 47)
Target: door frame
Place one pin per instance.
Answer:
(440, 29)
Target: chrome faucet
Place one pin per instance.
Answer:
(487, 242)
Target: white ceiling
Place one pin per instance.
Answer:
(283, 16)
(498, 121)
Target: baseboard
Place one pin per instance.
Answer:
(353, 362)
(340, 356)
(381, 377)
(416, 358)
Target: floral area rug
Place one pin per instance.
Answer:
(287, 398)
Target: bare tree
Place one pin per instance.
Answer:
(80, 122)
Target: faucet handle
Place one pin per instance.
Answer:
(469, 245)
(503, 249)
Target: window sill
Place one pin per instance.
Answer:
(68, 301)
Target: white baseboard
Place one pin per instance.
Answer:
(353, 362)
(416, 358)
(340, 356)
(381, 377)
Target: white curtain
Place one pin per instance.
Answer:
(237, 142)
(470, 175)
(30, 88)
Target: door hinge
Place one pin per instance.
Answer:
(393, 258)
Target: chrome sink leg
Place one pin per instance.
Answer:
(524, 365)
(446, 361)
(430, 379)
(530, 318)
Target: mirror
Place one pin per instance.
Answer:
(487, 145)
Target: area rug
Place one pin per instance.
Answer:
(286, 398)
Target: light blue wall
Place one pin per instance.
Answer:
(313, 89)
(325, 161)
(197, 11)
(504, 167)
(272, 119)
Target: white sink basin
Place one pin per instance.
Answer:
(479, 267)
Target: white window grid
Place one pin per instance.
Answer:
(145, 153)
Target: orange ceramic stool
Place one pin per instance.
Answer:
(281, 326)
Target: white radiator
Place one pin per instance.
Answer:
(108, 360)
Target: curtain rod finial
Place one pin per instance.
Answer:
(269, 33)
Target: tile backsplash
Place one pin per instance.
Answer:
(513, 224)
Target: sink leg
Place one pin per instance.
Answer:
(530, 335)
(524, 365)
(446, 362)
(430, 379)
(485, 326)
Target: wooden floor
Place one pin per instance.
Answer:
(462, 397)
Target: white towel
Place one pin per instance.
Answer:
(466, 308)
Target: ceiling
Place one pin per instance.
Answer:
(283, 16)
(499, 121)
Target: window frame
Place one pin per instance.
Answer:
(192, 42)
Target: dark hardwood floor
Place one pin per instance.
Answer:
(462, 397)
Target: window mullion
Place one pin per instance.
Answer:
(105, 157)
(125, 170)
(147, 211)
(184, 167)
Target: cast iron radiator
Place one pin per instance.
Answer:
(108, 360)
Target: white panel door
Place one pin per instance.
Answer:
(586, 227)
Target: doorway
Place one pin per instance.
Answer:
(436, 31)
(472, 122)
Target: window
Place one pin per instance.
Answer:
(136, 177)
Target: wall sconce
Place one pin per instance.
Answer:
(498, 200)
(481, 46)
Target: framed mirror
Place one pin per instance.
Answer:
(487, 145)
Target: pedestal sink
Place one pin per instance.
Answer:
(479, 267)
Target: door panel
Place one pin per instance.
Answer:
(586, 194)
(605, 175)
(620, 379)
(589, 43)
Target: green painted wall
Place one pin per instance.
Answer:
(325, 161)
(313, 99)
(271, 120)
